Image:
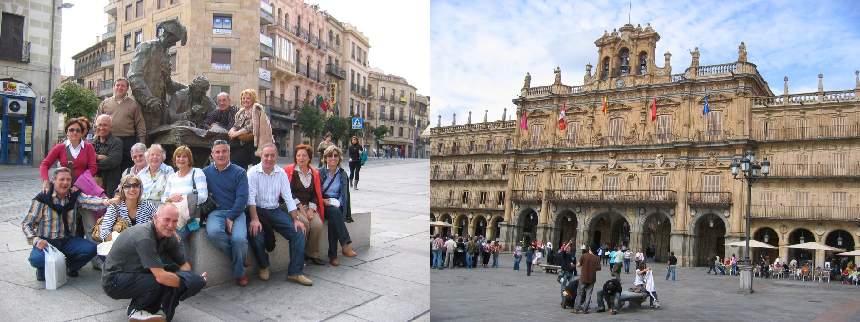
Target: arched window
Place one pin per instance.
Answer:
(624, 61)
(604, 68)
(643, 63)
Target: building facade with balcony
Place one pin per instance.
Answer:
(394, 104)
(618, 175)
(94, 68)
(29, 72)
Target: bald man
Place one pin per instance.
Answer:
(223, 115)
(108, 154)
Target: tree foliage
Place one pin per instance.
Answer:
(339, 127)
(75, 101)
(380, 132)
(310, 120)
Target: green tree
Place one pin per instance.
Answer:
(310, 121)
(75, 101)
(339, 127)
(380, 132)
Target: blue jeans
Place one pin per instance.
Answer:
(670, 271)
(517, 262)
(626, 266)
(468, 260)
(282, 223)
(336, 230)
(437, 256)
(77, 250)
(235, 244)
(495, 260)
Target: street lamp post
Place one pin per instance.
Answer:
(747, 169)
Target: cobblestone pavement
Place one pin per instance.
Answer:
(382, 283)
(502, 294)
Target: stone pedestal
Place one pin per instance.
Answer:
(204, 257)
(746, 279)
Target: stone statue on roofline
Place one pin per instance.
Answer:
(557, 73)
(527, 83)
(695, 54)
(742, 52)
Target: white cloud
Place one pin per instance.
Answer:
(481, 50)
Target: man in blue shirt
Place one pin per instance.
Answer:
(226, 226)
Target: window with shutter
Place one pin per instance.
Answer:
(573, 132)
(659, 183)
(800, 128)
(610, 184)
(840, 159)
(839, 206)
(664, 128)
(536, 134)
(711, 187)
(500, 199)
(802, 164)
(801, 204)
(715, 125)
(616, 131)
(530, 183)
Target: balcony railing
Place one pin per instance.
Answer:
(216, 66)
(779, 212)
(110, 31)
(471, 203)
(721, 69)
(526, 195)
(677, 78)
(470, 175)
(277, 103)
(806, 98)
(810, 170)
(335, 71)
(613, 196)
(710, 199)
(807, 133)
(266, 17)
(302, 69)
(105, 88)
(284, 66)
(267, 49)
(107, 59)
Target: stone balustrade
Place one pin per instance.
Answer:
(806, 98)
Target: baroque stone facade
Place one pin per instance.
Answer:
(619, 175)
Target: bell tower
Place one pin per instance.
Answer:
(626, 57)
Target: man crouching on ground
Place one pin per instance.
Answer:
(147, 266)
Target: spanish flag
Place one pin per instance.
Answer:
(604, 104)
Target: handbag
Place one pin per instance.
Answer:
(193, 210)
(55, 268)
(246, 137)
(203, 210)
(118, 226)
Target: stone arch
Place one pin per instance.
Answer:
(495, 228)
(709, 238)
(479, 225)
(768, 236)
(445, 231)
(656, 235)
(566, 227)
(432, 228)
(608, 228)
(840, 238)
(624, 61)
(604, 68)
(642, 63)
(461, 225)
(528, 220)
(798, 236)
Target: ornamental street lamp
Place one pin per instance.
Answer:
(747, 169)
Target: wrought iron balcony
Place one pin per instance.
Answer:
(266, 17)
(521, 196)
(816, 171)
(644, 197)
(110, 31)
(780, 212)
(807, 133)
(710, 199)
(335, 71)
(105, 88)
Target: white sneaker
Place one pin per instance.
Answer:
(144, 316)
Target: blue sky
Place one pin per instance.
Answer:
(481, 50)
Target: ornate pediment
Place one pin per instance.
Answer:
(710, 162)
(531, 166)
(612, 164)
(660, 163)
(567, 165)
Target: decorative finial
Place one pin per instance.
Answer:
(485, 115)
(469, 119)
(785, 85)
(439, 122)
(857, 78)
(820, 82)
(454, 119)
(504, 114)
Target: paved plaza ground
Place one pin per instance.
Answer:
(502, 294)
(382, 284)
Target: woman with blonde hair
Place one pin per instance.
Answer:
(335, 191)
(251, 131)
(131, 207)
(180, 183)
(154, 177)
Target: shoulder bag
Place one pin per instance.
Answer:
(205, 208)
(118, 226)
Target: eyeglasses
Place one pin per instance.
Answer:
(333, 156)
(131, 185)
(74, 130)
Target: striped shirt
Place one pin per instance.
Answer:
(264, 189)
(153, 186)
(43, 222)
(185, 186)
(145, 212)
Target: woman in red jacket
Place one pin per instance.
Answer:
(73, 153)
(305, 186)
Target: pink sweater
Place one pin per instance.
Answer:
(86, 160)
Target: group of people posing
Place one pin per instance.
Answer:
(464, 251)
(154, 207)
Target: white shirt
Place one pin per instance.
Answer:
(450, 244)
(185, 185)
(264, 189)
(548, 245)
(75, 151)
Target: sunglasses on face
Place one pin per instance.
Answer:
(131, 185)
(74, 130)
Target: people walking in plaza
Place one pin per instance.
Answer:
(566, 265)
(640, 258)
(530, 253)
(460, 253)
(486, 250)
(154, 176)
(355, 150)
(627, 256)
(671, 265)
(227, 226)
(146, 264)
(549, 253)
(127, 119)
(132, 209)
(450, 245)
(109, 153)
(494, 249)
(53, 219)
(611, 256)
(326, 142)
(644, 282)
(223, 116)
(73, 153)
(266, 183)
(607, 295)
(734, 263)
(518, 255)
(437, 244)
(184, 182)
(472, 253)
(307, 194)
(138, 152)
(712, 267)
(589, 264)
(250, 132)
(336, 203)
(619, 262)
(600, 255)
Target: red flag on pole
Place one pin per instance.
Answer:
(562, 123)
(604, 104)
(523, 121)
(654, 109)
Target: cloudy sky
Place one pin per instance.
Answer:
(481, 50)
(398, 31)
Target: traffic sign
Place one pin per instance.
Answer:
(357, 123)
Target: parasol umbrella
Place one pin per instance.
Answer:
(816, 246)
(851, 253)
(440, 224)
(753, 244)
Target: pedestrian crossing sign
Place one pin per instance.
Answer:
(357, 123)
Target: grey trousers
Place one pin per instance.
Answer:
(610, 300)
(583, 296)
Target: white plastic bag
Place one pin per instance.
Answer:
(55, 268)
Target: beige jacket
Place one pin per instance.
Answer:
(262, 128)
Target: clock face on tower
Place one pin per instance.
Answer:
(619, 83)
